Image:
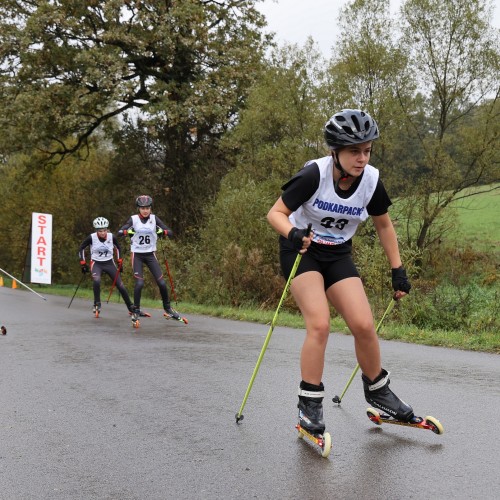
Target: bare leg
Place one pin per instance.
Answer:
(309, 293)
(349, 299)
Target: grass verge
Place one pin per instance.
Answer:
(389, 331)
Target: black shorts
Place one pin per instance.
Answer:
(333, 268)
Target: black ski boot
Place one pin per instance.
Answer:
(311, 407)
(378, 394)
(171, 313)
(143, 314)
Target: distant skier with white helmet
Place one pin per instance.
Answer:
(102, 243)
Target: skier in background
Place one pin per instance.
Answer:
(102, 243)
(144, 229)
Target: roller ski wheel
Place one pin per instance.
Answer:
(175, 318)
(96, 310)
(135, 321)
(430, 423)
(324, 441)
(4, 330)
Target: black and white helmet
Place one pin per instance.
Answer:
(144, 201)
(101, 223)
(348, 127)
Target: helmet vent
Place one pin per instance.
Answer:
(356, 122)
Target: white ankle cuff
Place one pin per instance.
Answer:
(380, 383)
(311, 394)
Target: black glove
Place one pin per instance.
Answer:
(295, 236)
(400, 281)
(85, 268)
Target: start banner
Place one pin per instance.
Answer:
(41, 248)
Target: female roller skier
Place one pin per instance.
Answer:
(335, 194)
(101, 245)
(144, 229)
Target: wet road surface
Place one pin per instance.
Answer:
(93, 409)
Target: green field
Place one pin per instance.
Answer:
(478, 222)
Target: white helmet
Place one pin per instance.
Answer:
(101, 223)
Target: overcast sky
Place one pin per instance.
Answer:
(295, 20)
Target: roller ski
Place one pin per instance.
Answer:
(96, 309)
(173, 314)
(324, 441)
(311, 423)
(393, 410)
(430, 423)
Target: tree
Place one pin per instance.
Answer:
(280, 128)
(432, 83)
(281, 125)
(369, 71)
(179, 69)
(69, 66)
(68, 192)
(455, 56)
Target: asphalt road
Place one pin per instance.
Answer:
(93, 409)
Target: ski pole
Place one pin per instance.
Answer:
(174, 295)
(338, 399)
(239, 415)
(78, 286)
(114, 282)
(21, 283)
(129, 232)
(171, 281)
